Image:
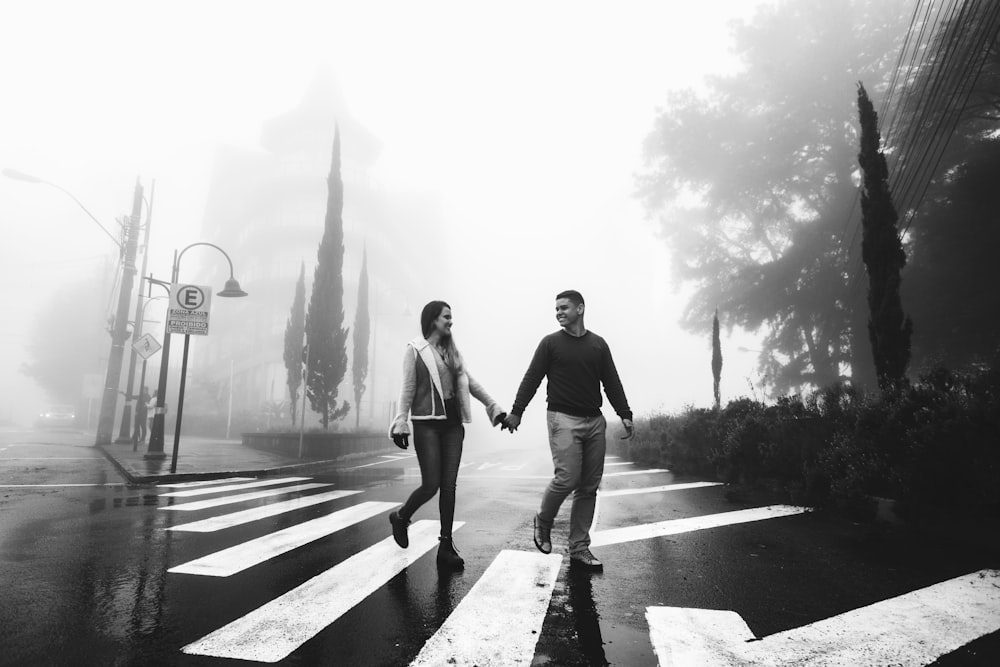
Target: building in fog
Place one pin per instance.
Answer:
(266, 208)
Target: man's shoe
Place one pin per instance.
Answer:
(585, 559)
(543, 539)
(399, 528)
(448, 558)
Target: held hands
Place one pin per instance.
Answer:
(511, 422)
(629, 429)
(401, 440)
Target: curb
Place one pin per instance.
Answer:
(136, 478)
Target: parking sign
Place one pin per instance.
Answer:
(189, 308)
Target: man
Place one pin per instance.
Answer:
(577, 362)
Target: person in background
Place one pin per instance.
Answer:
(435, 396)
(141, 412)
(151, 409)
(576, 362)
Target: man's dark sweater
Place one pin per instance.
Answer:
(576, 368)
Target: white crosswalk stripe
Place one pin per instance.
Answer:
(657, 489)
(677, 526)
(915, 628)
(242, 497)
(500, 620)
(271, 632)
(648, 471)
(243, 556)
(190, 493)
(204, 482)
(256, 513)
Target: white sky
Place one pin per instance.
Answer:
(525, 118)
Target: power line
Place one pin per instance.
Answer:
(899, 61)
(974, 73)
(951, 76)
(942, 71)
(916, 48)
(919, 47)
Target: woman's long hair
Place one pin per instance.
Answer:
(431, 312)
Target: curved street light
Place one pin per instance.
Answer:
(231, 289)
(127, 248)
(28, 178)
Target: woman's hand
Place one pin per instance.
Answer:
(511, 422)
(401, 440)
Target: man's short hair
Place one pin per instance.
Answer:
(572, 295)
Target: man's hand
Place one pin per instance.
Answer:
(401, 440)
(629, 429)
(511, 422)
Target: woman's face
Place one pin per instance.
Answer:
(442, 325)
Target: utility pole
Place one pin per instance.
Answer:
(119, 334)
(125, 432)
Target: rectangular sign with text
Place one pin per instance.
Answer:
(189, 308)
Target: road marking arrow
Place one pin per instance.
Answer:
(913, 629)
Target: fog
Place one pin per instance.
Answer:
(516, 128)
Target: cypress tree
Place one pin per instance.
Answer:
(295, 332)
(325, 333)
(716, 359)
(359, 365)
(882, 251)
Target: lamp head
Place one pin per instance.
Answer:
(232, 289)
(21, 176)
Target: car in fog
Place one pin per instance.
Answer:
(57, 416)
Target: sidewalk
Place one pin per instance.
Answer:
(206, 458)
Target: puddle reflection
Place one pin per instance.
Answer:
(586, 620)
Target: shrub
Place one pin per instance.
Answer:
(934, 445)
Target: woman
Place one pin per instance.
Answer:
(435, 396)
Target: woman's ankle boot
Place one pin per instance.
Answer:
(448, 557)
(399, 529)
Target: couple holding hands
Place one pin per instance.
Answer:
(435, 396)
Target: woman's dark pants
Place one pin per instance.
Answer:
(439, 452)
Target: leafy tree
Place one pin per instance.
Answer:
(295, 331)
(951, 278)
(951, 231)
(882, 250)
(753, 182)
(716, 359)
(325, 333)
(69, 340)
(359, 365)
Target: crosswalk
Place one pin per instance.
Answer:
(497, 622)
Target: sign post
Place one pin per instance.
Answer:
(188, 315)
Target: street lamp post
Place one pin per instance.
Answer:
(119, 334)
(125, 432)
(155, 451)
(106, 421)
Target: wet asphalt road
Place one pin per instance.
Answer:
(83, 569)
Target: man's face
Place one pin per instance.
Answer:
(567, 312)
(443, 323)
